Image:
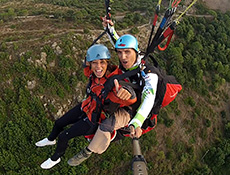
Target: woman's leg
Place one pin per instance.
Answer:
(72, 116)
(81, 127)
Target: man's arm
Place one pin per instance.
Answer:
(147, 102)
(112, 34)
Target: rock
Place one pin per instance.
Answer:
(43, 57)
(31, 84)
(38, 63)
(30, 60)
(79, 94)
(23, 53)
(74, 49)
(58, 50)
(54, 45)
(60, 112)
(52, 64)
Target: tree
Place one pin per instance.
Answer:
(24, 12)
(176, 55)
(213, 13)
(227, 130)
(211, 30)
(220, 67)
(190, 35)
(215, 158)
(11, 13)
(200, 28)
(196, 46)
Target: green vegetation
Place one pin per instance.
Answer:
(83, 12)
(41, 73)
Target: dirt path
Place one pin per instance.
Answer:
(223, 5)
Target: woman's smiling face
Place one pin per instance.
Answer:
(99, 67)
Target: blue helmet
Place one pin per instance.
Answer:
(97, 52)
(127, 42)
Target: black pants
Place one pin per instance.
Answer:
(81, 126)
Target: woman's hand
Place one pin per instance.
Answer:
(122, 93)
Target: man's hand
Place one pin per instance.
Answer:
(122, 93)
(135, 133)
(106, 21)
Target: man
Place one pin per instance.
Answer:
(157, 90)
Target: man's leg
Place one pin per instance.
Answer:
(102, 137)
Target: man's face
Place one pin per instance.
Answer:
(99, 67)
(127, 57)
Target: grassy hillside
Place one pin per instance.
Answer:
(42, 45)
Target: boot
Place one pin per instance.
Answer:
(80, 157)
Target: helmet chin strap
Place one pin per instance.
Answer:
(136, 64)
(138, 61)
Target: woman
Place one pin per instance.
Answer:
(86, 116)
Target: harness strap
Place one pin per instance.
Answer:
(154, 21)
(159, 35)
(109, 84)
(134, 86)
(99, 37)
(175, 3)
(108, 9)
(151, 47)
(167, 43)
(177, 20)
(167, 34)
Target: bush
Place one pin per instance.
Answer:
(190, 101)
(227, 130)
(207, 123)
(86, 31)
(168, 122)
(134, 31)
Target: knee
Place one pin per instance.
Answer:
(100, 142)
(58, 123)
(101, 151)
(63, 136)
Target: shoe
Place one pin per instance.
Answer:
(45, 142)
(80, 157)
(49, 163)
